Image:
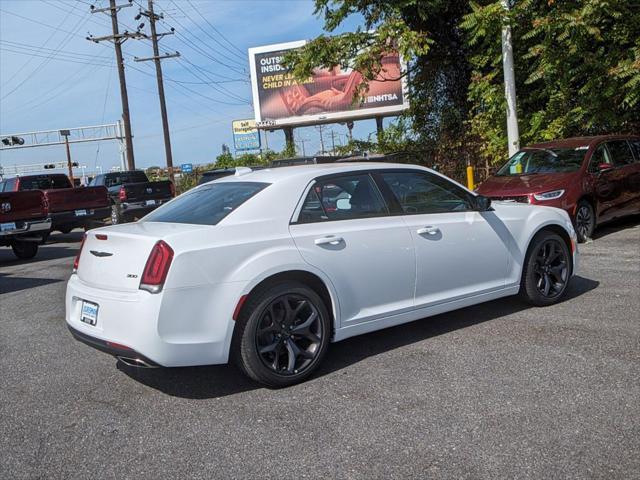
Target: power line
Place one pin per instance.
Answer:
(240, 53)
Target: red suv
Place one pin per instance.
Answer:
(595, 179)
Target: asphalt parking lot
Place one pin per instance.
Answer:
(499, 390)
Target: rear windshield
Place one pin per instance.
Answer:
(111, 180)
(44, 182)
(206, 205)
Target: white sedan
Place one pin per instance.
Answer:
(268, 267)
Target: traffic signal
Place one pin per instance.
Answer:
(10, 141)
(49, 165)
(74, 164)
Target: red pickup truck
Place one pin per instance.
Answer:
(67, 207)
(24, 221)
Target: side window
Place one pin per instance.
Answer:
(600, 156)
(635, 146)
(420, 193)
(342, 198)
(620, 152)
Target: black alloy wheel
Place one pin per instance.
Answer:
(551, 269)
(585, 221)
(281, 334)
(289, 334)
(547, 269)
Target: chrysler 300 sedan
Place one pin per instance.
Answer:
(266, 268)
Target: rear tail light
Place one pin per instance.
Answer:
(76, 261)
(122, 194)
(172, 187)
(157, 268)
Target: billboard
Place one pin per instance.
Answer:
(327, 96)
(245, 134)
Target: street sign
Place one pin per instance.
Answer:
(186, 168)
(245, 135)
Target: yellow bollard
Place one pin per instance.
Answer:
(470, 183)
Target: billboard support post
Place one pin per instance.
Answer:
(288, 138)
(379, 128)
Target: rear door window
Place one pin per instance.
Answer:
(621, 152)
(344, 197)
(207, 204)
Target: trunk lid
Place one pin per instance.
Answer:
(22, 206)
(139, 192)
(117, 261)
(66, 199)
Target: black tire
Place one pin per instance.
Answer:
(24, 250)
(65, 230)
(267, 330)
(584, 221)
(116, 215)
(547, 270)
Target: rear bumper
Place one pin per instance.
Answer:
(26, 228)
(77, 218)
(174, 328)
(111, 348)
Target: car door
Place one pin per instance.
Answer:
(459, 251)
(344, 229)
(607, 187)
(626, 173)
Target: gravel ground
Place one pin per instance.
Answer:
(499, 390)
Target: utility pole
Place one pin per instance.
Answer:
(156, 59)
(333, 143)
(118, 39)
(513, 134)
(65, 134)
(321, 139)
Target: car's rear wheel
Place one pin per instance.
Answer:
(116, 215)
(24, 250)
(282, 334)
(547, 270)
(585, 221)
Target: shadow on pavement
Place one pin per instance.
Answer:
(616, 225)
(10, 284)
(51, 250)
(222, 380)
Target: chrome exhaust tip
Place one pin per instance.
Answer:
(135, 362)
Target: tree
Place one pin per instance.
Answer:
(577, 69)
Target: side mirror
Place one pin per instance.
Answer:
(603, 167)
(482, 203)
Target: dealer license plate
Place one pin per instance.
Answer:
(5, 227)
(89, 313)
(81, 213)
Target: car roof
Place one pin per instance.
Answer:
(311, 171)
(574, 142)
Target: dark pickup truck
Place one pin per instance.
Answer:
(24, 221)
(132, 194)
(67, 207)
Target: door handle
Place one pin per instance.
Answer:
(428, 230)
(328, 240)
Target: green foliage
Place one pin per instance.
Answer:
(577, 69)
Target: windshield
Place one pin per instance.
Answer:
(544, 160)
(206, 205)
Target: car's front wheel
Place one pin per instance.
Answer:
(24, 250)
(282, 334)
(547, 270)
(585, 221)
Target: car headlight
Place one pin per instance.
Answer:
(548, 195)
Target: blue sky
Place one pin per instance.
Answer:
(51, 77)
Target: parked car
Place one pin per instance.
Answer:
(594, 179)
(23, 222)
(255, 268)
(132, 194)
(68, 207)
